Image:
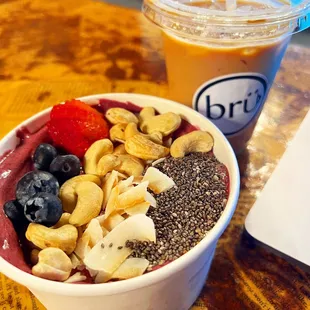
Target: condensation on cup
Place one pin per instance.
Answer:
(222, 56)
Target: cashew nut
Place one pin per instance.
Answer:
(53, 264)
(146, 113)
(117, 133)
(67, 193)
(130, 165)
(63, 220)
(92, 156)
(120, 150)
(144, 148)
(106, 164)
(168, 142)
(156, 137)
(165, 123)
(89, 201)
(34, 256)
(120, 116)
(195, 141)
(63, 238)
(132, 130)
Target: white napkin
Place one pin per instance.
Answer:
(280, 217)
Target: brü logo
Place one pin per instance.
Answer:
(231, 102)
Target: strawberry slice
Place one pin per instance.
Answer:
(74, 126)
(74, 109)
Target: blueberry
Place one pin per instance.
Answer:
(65, 167)
(43, 156)
(35, 182)
(43, 208)
(15, 212)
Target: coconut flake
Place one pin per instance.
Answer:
(82, 247)
(130, 268)
(75, 261)
(94, 231)
(112, 221)
(133, 196)
(77, 277)
(140, 208)
(113, 203)
(158, 181)
(151, 199)
(107, 255)
(108, 184)
(158, 161)
(125, 184)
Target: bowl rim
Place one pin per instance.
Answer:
(148, 279)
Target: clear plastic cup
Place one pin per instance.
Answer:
(223, 63)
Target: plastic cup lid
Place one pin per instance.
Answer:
(265, 21)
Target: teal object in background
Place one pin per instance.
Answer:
(302, 38)
(128, 3)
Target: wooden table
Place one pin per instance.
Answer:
(56, 50)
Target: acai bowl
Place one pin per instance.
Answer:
(153, 262)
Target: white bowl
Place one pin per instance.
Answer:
(172, 287)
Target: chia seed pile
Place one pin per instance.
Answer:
(185, 213)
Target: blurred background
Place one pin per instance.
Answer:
(300, 38)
